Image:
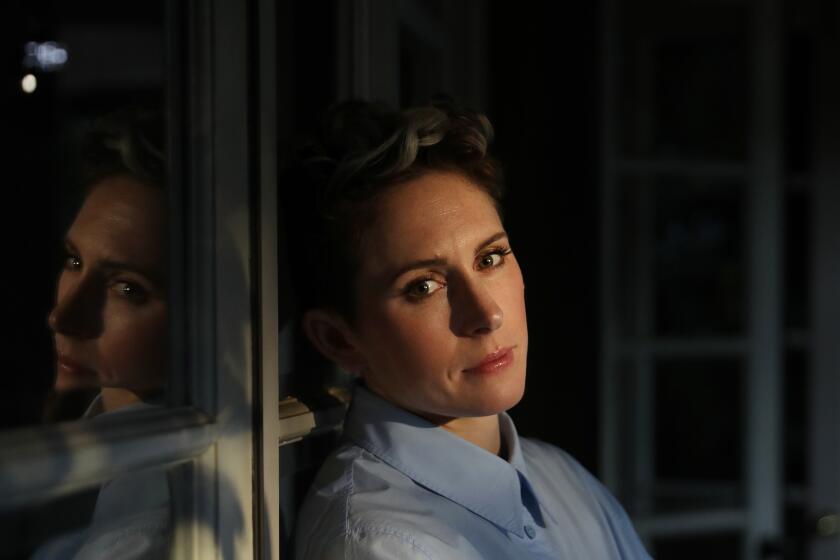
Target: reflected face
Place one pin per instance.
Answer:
(110, 316)
(440, 302)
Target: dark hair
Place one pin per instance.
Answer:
(128, 141)
(359, 152)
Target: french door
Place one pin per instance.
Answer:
(718, 253)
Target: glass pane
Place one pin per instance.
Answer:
(798, 527)
(633, 237)
(421, 68)
(685, 88)
(129, 516)
(680, 257)
(699, 547)
(798, 517)
(699, 259)
(796, 414)
(699, 432)
(83, 124)
(629, 441)
(798, 95)
(797, 254)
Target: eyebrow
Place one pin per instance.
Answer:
(115, 265)
(425, 263)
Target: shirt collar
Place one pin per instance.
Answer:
(440, 461)
(511, 439)
(96, 408)
(517, 459)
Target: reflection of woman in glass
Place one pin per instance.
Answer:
(110, 325)
(414, 287)
(110, 316)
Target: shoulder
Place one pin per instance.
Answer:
(544, 459)
(566, 486)
(547, 462)
(359, 507)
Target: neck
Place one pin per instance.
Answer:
(114, 398)
(482, 431)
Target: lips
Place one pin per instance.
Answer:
(493, 362)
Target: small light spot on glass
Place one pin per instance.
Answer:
(28, 83)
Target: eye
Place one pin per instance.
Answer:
(493, 258)
(131, 291)
(72, 262)
(422, 289)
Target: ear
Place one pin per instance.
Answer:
(333, 338)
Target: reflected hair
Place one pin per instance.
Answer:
(129, 141)
(360, 151)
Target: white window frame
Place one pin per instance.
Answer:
(760, 518)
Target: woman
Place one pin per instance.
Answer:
(110, 326)
(417, 291)
(110, 317)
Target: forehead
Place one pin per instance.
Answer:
(124, 219)
(429, 217)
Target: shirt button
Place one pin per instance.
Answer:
(529, 530)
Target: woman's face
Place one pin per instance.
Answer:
(109, 320)
(440, 321)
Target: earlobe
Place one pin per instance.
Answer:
(331, 335)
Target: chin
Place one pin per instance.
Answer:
(66, 384)
(501, 400)
(512, 399)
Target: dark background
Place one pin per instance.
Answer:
(543, 87)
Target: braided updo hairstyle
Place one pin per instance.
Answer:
(360, 151)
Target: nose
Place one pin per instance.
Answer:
(76, 309)
(474, 310)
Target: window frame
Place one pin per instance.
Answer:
(759, 518)
(208, 435)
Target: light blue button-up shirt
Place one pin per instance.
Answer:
(400, 487)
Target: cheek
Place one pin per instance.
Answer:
(516, 303)
(65, 282)
(414, 340)
(134, 347)
(513, 292)
(61, 285)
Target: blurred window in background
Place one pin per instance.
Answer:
(716, 319)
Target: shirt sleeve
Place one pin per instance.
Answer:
(144, 536)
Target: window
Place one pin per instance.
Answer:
(181, 470)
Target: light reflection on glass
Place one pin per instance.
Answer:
(29, 83)
(47, 56)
